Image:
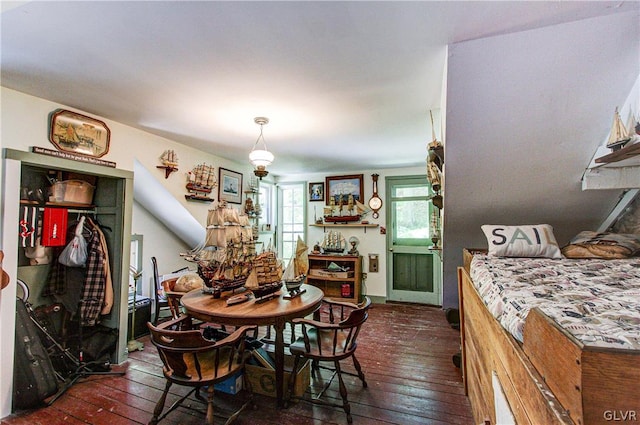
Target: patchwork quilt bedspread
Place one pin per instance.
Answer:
(597, 301)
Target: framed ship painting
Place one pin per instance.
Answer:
(79, 134)
(316, 192)
(230, 186)
(338, 189)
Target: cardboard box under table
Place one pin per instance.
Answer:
(231, 385)
(263, 380)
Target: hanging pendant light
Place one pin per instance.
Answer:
(260, 157)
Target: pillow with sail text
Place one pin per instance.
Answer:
(522, 241)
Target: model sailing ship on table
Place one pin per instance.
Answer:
(225, 259)
(201, 181)
(266, 278)
(296, 272)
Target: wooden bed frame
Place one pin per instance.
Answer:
(549, 379)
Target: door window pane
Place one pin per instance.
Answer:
(412, 219)
(411, 210)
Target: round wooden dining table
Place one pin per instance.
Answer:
(275, 312)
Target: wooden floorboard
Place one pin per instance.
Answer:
(405, 351)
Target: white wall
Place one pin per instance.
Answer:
(525, 112)
(25, 124)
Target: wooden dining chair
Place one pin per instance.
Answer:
(191, 360)
(330, 341)
(173, 297)
(164, 297)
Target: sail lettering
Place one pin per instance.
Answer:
(520, 235)
(503, 238)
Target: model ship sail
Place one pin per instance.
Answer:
(226, 258)
(298, 267)
(266, 276)
(169, 158)
(201, 181)
(619, 135)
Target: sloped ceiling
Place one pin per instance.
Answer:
(521, 110)
(347, 85)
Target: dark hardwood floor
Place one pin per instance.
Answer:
(405, 351)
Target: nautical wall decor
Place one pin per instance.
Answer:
(200, 183)
(79, 134)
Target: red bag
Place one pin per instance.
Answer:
(54, 227)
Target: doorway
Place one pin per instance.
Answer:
(414, 266)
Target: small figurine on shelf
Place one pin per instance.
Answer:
(248, 207)
(353, 241)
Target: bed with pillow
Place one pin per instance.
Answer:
(555, 331)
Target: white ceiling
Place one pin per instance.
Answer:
(347, 85)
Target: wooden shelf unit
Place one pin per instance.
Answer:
(629, 151)
(332, 285)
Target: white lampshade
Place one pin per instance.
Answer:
(261, 157)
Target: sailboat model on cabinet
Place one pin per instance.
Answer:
(619, 135)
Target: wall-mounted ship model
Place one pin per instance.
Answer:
(343, 209)
(169, 161)
(201, 181)
(225, 259)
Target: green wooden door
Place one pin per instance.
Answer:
(414, 266)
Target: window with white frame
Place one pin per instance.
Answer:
(291, 216)
(266, 202)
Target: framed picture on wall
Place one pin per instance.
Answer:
(229, 186)
(316, 192)
(77, 133)
(338, 188)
